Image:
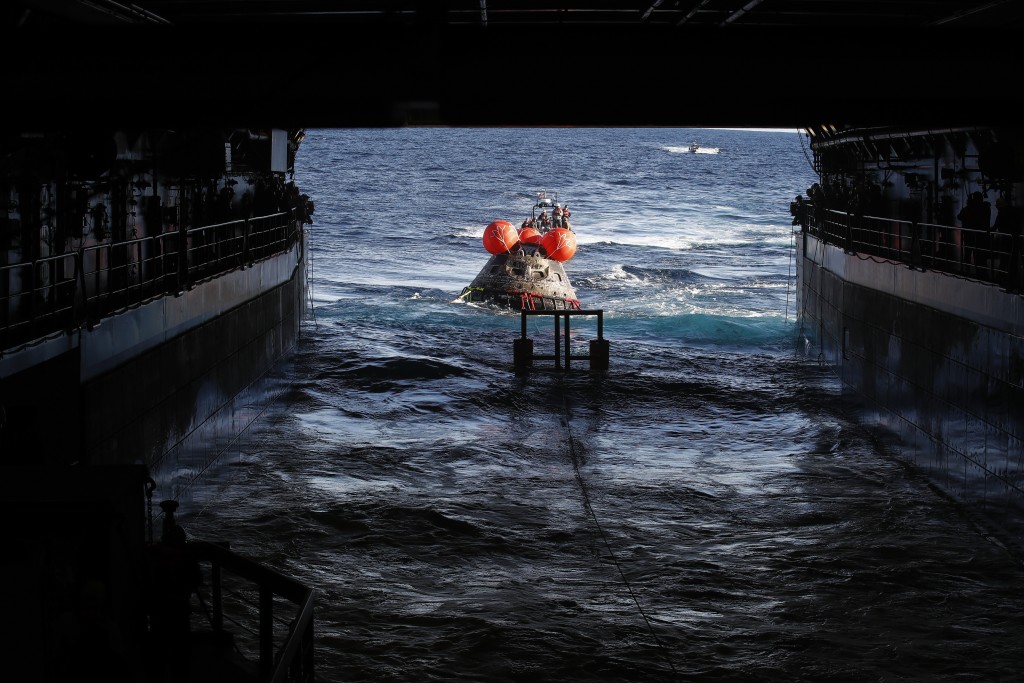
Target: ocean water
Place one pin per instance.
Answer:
(703, 511)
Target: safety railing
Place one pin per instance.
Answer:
(268, 616)
(118, 275)
(51, 295)
(37, 298)
(986, 256)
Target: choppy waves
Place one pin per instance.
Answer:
(702, 511)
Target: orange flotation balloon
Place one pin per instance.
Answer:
(500, 236)
(560, 244)
(529, 236)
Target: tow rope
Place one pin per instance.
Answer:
(590, 508)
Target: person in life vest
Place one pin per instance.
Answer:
(565, 217)
(556, 214)
(545, 221)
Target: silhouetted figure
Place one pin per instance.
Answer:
(975, 218)
(798, 210)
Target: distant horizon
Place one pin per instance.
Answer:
(761, 130)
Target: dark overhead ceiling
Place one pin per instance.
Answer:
(716, 13)
(308, 63)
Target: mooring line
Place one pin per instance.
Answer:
(590, 508)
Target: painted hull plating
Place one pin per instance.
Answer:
(928, 347)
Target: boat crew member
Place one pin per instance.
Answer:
(557, 215)
(544, 220)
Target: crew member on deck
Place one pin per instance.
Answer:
(976, 220)
(798, 209)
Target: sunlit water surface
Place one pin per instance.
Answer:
(704, 511)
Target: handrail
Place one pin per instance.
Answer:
(47, 306)
(985, 256)
(50, 295)
(281, 658)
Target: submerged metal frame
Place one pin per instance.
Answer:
(523, 347)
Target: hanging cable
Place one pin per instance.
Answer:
(806, 156)
(586, 502)
(309, 282)
(789, 280)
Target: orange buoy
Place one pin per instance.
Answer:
(529, 236)
(560, 244)
(500, 236)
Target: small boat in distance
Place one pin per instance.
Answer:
(694, 147)
(525, 270)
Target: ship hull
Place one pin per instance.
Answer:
(936, 362)
(152, 287)
(170, 384)
(147, 290)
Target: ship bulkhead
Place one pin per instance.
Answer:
(918, 310)
(150, 283)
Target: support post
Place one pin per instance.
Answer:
(599, 354)
(599, 348)
(558, 342)
(522, 353)
(568, 346)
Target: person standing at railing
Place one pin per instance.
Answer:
(818, 201)
(975, 219)
(856, 203)
(798, 210)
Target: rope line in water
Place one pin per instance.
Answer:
(586, 502)
(309, 282)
